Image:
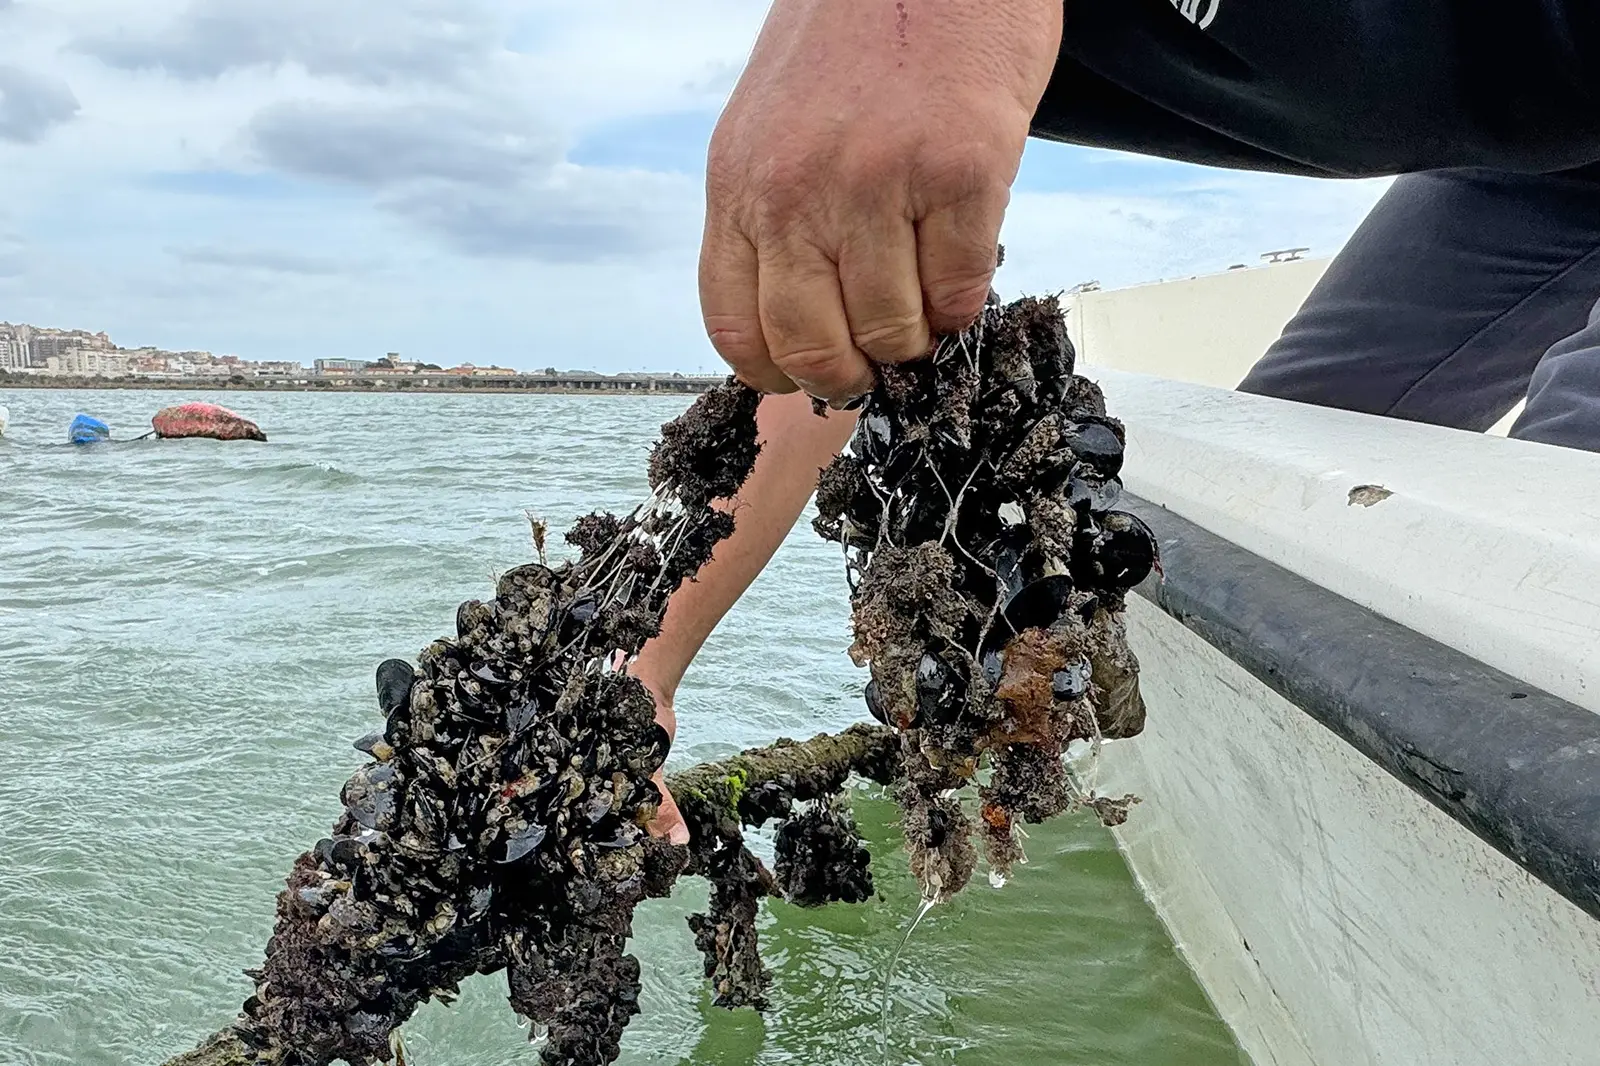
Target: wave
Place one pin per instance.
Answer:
(297, 475)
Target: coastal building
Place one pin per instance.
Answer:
(339, 366)
(45, 343)
(87, 363)
(15, 351)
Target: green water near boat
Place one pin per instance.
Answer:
(188, 631)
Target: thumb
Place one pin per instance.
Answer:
(668, 821)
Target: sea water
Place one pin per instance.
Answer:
(188, 632)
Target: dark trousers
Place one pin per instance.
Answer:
(1461, 293)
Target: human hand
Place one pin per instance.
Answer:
(668, 822)
(857, 181)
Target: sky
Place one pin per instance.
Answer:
(515, 182)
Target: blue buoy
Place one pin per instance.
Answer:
(87, 430)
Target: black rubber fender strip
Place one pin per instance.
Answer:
(1517, 766)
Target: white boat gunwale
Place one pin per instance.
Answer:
(1515, 765)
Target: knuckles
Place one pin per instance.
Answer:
(953, 303)
(737, 339)
(894, 339)
(826, 371)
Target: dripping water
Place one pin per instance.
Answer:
(888, 978)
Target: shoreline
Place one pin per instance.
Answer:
(599, 387)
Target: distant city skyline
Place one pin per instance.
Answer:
(57, 352)
(26, 345)
(292, 180)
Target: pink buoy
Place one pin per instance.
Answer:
(205, 420)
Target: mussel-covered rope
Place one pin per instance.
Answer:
(1007, 649)
(820, 857)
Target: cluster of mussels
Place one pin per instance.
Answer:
(988, 569)
(499, 824)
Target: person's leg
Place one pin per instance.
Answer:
(1564, 393)
(1445, 299)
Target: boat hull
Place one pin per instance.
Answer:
(1371, 770)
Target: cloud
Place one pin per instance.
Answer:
(31, 104)
(384, 145)
(488, 180)
(1205, 222)
(376, 42)
(261, 259)
(570, 214)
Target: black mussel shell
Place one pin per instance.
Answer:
(993, 665)
(1008, 567)
(597, 806)
(368, 1028)
(936, 690)
(1053, 360)
(1086, 495)
(1128, 551)
(525, 578)
(478, 900)
(371, 744)
(584, 610)
(469, 804)
(426, 820)
(874, 436)
(488, 675)
(395, 677)
(524, 841)
(471, 701)
(1039, 603)
(917, 516)
(322, 851)
(1097, 446)
(1071, 682)
(875, 703)
(660, 744)
(1054, 471)
(398, 947)
(900, 461)
(345, 852)
(1114, 554)
(520, 716)
(1026, 387)
(938, 827)
(1087, 608)
(369, 796)
(468, 615)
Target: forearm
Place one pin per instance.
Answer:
(795, 445)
